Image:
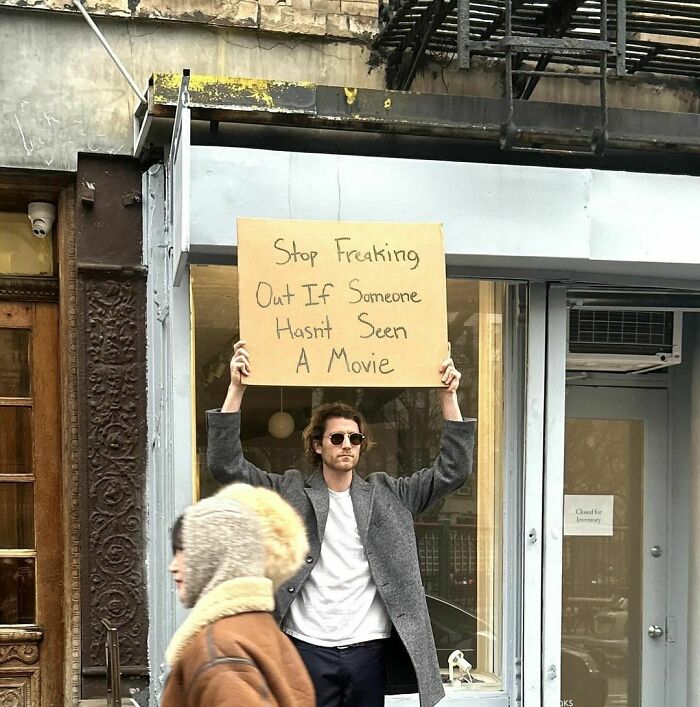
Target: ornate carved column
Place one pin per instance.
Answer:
(19, 658)
(112, 417)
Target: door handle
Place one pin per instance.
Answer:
(655, 631)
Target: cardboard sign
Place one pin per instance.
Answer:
(588, 515)
(326, 303)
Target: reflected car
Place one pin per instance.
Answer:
(584, 684)
(606, 636)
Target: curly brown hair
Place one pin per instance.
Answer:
(317, 426)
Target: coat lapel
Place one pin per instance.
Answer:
(362, 495)
(317, 492)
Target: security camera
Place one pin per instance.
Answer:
(42, 216)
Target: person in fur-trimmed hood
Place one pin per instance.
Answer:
(230, 553)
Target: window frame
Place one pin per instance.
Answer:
(553, 492)
(24, 321)
(533, 502)
(517, 350)
(524, 425)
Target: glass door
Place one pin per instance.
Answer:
(614, 567)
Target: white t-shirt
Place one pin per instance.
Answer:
(339, 603)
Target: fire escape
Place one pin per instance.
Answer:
(556, 39)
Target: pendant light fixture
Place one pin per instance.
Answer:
(281, 424)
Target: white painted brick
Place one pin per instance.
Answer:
(353, 7)
(292, 20)
(363, 26)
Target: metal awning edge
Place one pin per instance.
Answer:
(285, 103)
(234, 93)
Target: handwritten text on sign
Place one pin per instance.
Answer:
(342, 304)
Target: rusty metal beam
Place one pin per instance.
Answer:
(394, 112)
(621, 37)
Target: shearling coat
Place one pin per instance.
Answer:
(384, 508)
(240, 659)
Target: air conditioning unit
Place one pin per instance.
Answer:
(623, 340)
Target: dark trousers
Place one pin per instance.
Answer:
(346, 677)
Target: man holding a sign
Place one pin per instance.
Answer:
(356, 610)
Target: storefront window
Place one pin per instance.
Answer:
(460, 540)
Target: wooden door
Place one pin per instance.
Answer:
(31, 509)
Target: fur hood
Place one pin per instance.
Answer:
(239, 546)
(284, 534)
(234, 596)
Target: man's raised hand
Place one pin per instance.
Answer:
(240, 370)
(448, 393)
(240, 364)
(450, 375)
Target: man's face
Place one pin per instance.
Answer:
(177, 569)
(341, 457)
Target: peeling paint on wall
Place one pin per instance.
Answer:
(218, 91)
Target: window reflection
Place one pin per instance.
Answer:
(15, 440)
(460, 538)
(17, 588)
(14, 363)
(20, 252)
(16, 516)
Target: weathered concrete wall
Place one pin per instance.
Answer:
(61, 93)
(642, 92)
(333, 18)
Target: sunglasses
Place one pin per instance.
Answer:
(337, 438)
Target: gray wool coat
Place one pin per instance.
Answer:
(384, 510)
